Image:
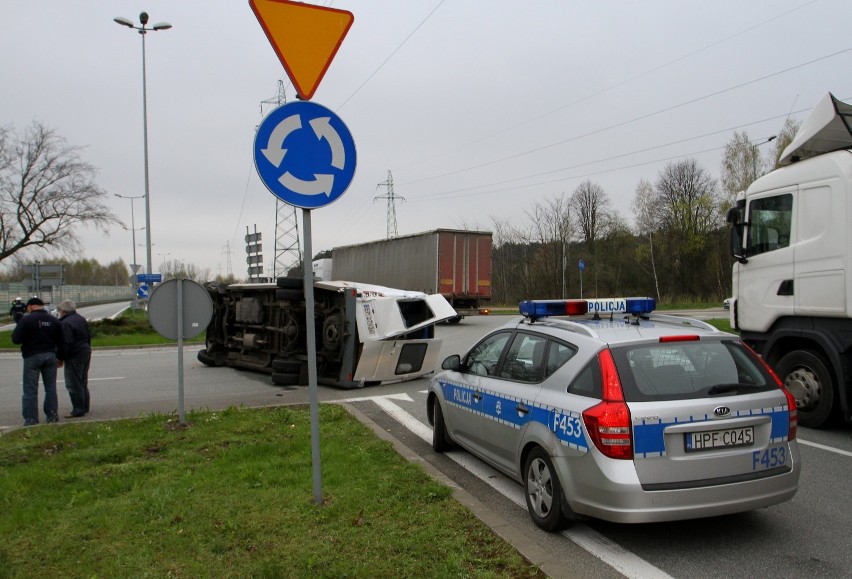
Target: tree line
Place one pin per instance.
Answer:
(676, 250)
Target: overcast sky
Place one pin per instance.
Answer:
(479, 109)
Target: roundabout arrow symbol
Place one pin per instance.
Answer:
(275, 151)
(323, 129)
(322, 183)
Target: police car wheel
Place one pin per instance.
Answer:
(440, 442)
(543, 491)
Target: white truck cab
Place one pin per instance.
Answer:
(792, 292)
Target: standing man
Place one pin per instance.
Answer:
(17, 310)
(42, 344)
(78, 355)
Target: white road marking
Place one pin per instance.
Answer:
(620, 559)
(824, 447)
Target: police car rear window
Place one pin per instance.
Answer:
(687, 370)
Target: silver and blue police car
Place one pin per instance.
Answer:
(605, 409)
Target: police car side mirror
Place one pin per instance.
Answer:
(452, 363)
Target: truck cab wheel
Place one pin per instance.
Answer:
(806, 375)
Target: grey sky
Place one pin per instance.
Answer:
(479, 109)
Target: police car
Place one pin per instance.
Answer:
(620, 414)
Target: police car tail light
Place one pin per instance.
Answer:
(792, 409)
(793, 426)
(608, 423)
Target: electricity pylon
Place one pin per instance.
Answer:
(391, 220)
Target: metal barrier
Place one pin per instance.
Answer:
(82, 295)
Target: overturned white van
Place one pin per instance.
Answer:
(365, 334)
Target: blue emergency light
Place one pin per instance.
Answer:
(535, 309)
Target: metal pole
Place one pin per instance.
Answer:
(148, 269)
(312, 358)
(133, 228)
(181, 413)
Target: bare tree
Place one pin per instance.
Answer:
(646, 211)
(689, 216)
(688, 200)
(46, 191)
(590, 205)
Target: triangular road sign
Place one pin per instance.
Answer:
(305, 38)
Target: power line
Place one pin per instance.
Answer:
(634, 119)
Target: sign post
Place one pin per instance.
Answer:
(303, 152)
(582, 267)
(180, 309)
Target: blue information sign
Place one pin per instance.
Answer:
(582, 265)
(304, 154)
(149, 277)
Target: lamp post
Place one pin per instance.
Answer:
(143, 18)
(754, 147)
(163, 264)
(134, 266)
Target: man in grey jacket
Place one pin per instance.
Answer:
(78, 355)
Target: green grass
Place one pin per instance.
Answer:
(231, 495)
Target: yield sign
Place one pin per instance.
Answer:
(305, 38)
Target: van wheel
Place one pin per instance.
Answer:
(543, 491)
(805, 374)
(285, 378)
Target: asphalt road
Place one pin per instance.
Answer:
(805, 537)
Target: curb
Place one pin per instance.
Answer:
(527, 548)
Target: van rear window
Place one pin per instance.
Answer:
(687, 370)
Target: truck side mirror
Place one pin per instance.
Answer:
(734, 215)
(735, 234)
(735, 242)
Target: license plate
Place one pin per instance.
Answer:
(730, 437)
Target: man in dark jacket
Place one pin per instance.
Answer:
(78, 355)
(42, 344)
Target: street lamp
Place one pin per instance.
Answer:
(143, 18)
(164, 256)
(134, 266)
(754, 147)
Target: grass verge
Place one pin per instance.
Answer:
(230, 495)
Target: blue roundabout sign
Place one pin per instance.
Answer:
(304, 154)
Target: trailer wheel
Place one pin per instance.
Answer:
(289, 294)
(285, 378)
(805, 374)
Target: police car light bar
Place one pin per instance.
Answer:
(535, 309)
